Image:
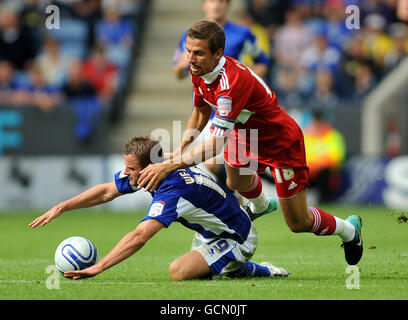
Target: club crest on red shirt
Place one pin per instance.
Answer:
(224, 106)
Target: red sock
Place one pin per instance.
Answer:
(324, 223)
(254, 190)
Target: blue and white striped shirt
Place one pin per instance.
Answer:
(195, 200)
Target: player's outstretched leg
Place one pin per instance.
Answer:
(300, 218)
(349, 231)
(264, 269)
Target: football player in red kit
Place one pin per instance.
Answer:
(259, 134)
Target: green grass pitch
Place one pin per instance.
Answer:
(317, 265)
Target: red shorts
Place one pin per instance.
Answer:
(290, 181)
(288, 165)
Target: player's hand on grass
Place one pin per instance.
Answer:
(45, 218)
(81, 274)
(151, 176)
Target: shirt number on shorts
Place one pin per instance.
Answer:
(221, 246)
(287, 174)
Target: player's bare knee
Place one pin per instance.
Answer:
(176, 271)
(173, 271)
(176, 276)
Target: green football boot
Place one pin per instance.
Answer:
(353, 250)
(272, 207)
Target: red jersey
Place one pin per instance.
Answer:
(243, 102)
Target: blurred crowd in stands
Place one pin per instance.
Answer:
(82, 58)
(318, 61)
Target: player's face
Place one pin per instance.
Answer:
(132, 168)
(200, 58)
(215, 10)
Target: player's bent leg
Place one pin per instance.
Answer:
(297, 215)
(191, 265)
(300, 218)
(249, 185)
(238, 178)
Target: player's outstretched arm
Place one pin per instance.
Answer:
(127, 246)
(98, 194)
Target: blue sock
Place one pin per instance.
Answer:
(250, 269)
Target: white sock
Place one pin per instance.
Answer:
(259, 204)
(344, 229)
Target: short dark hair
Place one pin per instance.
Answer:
(146, 149)
(207, 30)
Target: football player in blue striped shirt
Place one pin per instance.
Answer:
(225, 238)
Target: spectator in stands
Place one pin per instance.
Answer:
(334, 26)
(66, 8)
(89, 11)
(384, 8)
(376, 42)
(53, 63)
(117, 35)
(8, 84)
(102, 74)
(40, 94)
(291, 40)
(325, 153)
(291, 85)
(16, 43)
(320, 56)
(364, 81)
(288, 78)
(324, 95)
(353, 57)
(128, 9)
(269, 14)
(77, 85)
(33, 18)
(261, 34)
(82, 97)
(399, 49)
(35, 93)
(114, 30)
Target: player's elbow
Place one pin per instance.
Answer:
(108, 192)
